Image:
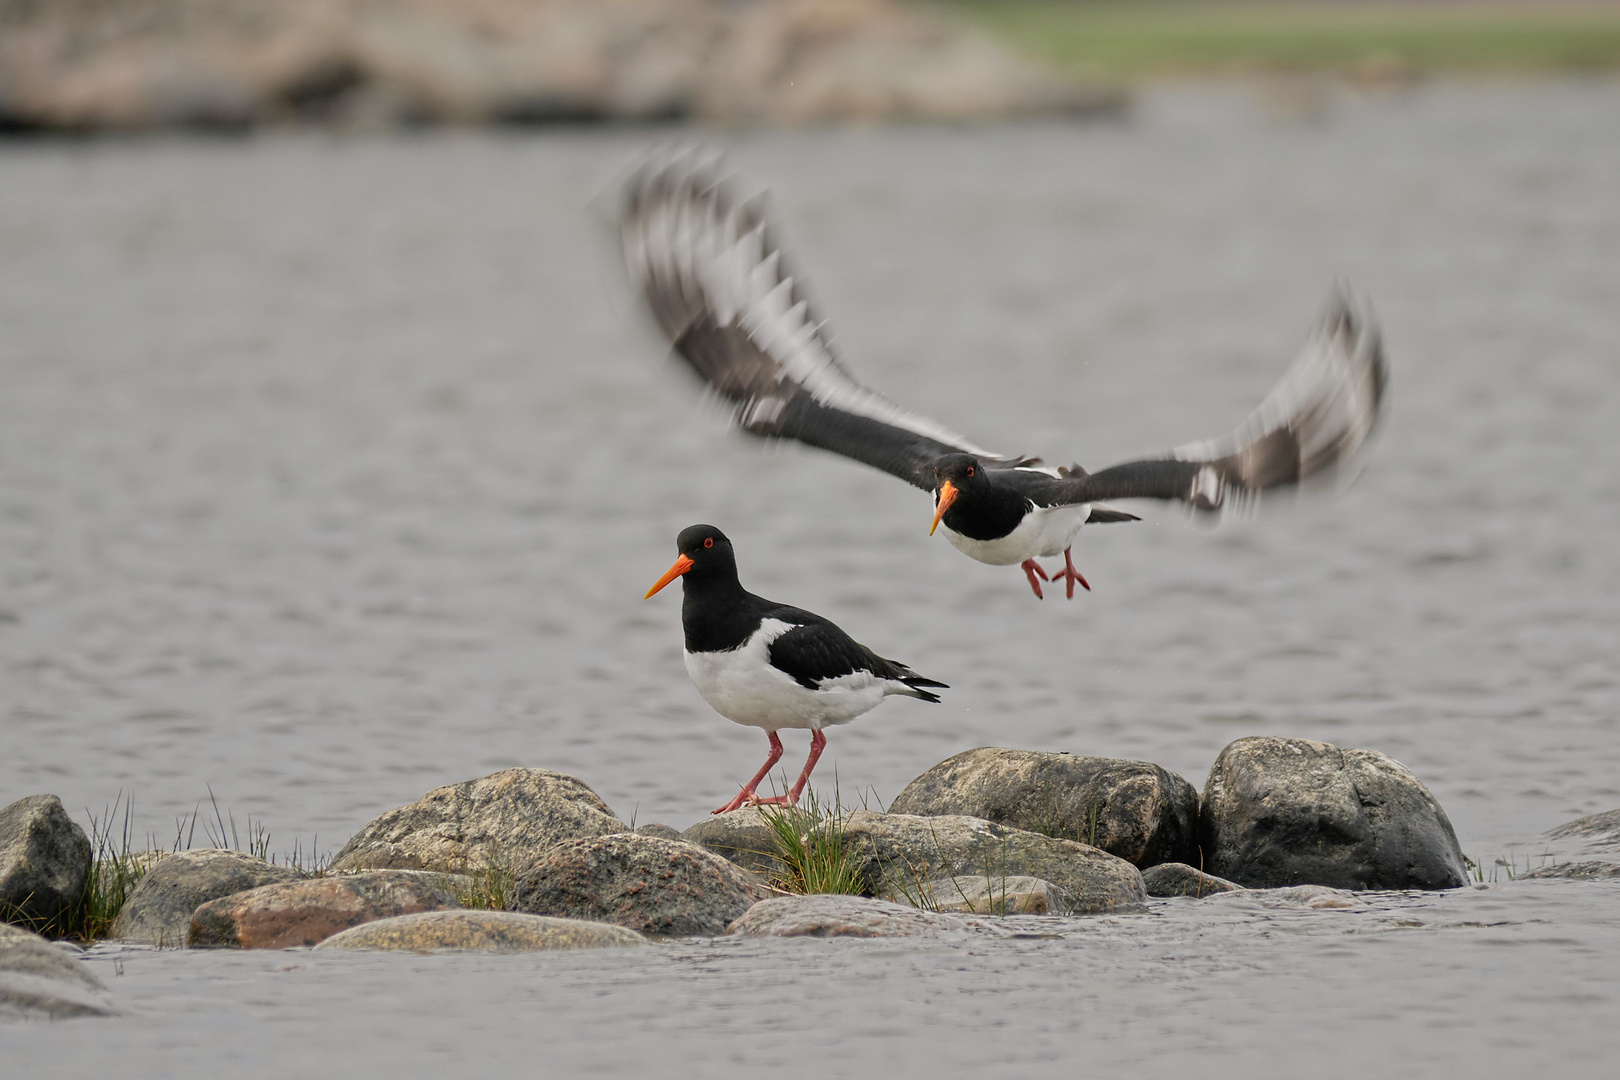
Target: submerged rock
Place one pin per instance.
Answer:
(744, 836)
(1291, 811)
(42, 978)
(506, 819)
(898, 855)
(1294, 896)
(310, 910)
(982, 895)
(651, 885)
(1179, 879)
(1133, 809)
(158, 910)
(1578, 871)
(44, 861)
(82, 64)
(1600, 832)
(843, 916)
(482, 931)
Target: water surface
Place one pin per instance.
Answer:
(333, 470)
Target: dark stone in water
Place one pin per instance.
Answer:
(1133, 809)
(1179, 879)
(646, 883)
(44, 861)
(1291, 811)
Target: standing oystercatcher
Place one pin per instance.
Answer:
(722, 291)
(767, 665)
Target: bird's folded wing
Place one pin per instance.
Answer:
(1313, 428)
(816, 650)
(723, 293)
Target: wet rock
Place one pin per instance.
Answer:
(1599, 832)
(651, 885)
(158, 910)
(229, 64)
(1179, 879)
(1291, 811)
(660, 830)
(897, 855)
(843, 916)
(308, 911)
(1294, 896)
(981, 895)
(1577, 871)
(44, 861)
(1133, 809)
(482, 931)
(507, 819)
(42, 978)
(743, 836)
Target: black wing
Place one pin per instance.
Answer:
(1312, 428)
(723, 293)
(816, 649)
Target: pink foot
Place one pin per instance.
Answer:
(1069, 575)
(1032, 569)
(746, 795)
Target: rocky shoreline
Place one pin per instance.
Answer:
(95, 65)
(529, 859)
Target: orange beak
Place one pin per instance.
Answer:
(947, 495)
(682, 565)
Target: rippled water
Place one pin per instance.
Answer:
(332, 470)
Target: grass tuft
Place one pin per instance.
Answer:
(492, 888)
(117, 865)
(810, 849)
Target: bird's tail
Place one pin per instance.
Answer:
(914, 684)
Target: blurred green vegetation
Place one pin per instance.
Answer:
(1201, 36)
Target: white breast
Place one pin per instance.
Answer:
(1045, 530)
(743, 687)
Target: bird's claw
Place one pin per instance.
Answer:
(1069, 575)
(1032, 570)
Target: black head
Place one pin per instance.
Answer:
(955, 475)
(705, 555)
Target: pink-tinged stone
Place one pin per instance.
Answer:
(295, 913)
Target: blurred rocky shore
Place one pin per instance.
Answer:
(119, 65)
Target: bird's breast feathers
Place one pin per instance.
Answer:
(1044, 530)
(743, 686)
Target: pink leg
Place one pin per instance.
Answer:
(1069, 575)
(818, 743)
(1031, 569)
(746, 795)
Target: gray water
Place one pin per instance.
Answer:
(332, 470)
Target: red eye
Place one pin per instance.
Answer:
(708, 541)
(970, 470)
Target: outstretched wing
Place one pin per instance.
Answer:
(1313, 428)
(723, 293)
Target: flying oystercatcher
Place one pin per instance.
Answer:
(767, 665)
(722, 291)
